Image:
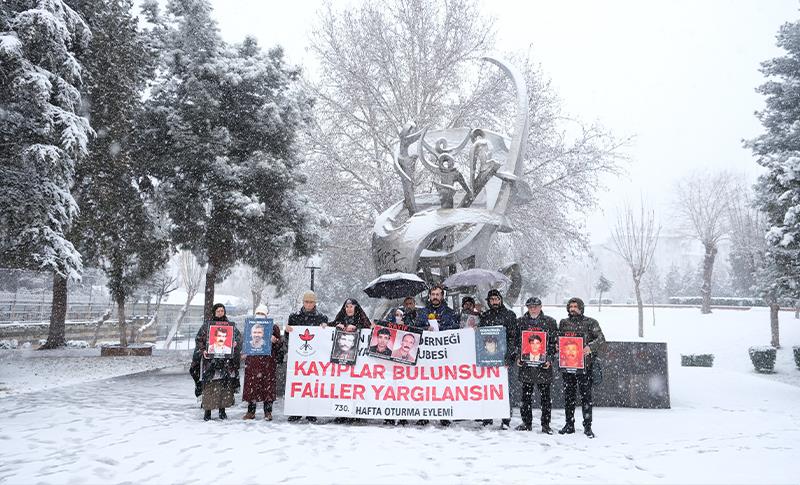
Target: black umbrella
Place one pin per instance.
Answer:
(395, 285)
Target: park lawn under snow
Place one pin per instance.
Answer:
(727, 425)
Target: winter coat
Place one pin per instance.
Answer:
(589, 329)
(541, 323)
(504, 317)
(259, 373)
(311, 319)
(448, 320)
(211, 368)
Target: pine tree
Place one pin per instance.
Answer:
(602, 286)
(778, 190)
(42, 135)
(118, 229)
(220, 135)
(672, 282)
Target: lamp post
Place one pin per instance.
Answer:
(313, 263)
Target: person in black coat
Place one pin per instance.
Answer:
(498, 315)
(307, 316)
(541, 376)
(578, 325)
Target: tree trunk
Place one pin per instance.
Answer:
(58, 314)
(797, 309)
(640, 306)
(211, 280)
(774, 309)
(708, 269)
(256, 300)
(123, 336)
(600, 301)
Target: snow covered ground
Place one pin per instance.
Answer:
(727, 425)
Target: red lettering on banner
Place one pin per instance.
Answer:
(489, 392)
(358, 392)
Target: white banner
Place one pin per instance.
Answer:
(445, 383)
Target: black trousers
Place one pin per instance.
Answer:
(581, 383)
(526, 408)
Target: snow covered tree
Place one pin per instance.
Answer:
(702, 201)
(747, 228)
(385, 63)
(672, 282)
(220, 136)
(635, 240)
(602, 286)
(42, 135)
(119, 229)
(778, 190)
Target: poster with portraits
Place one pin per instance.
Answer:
(345, 347)
(257, 336)
(468, 320)
(220, 339)
(570, 353)
(534, 348)
(490, 346)
(398, 343)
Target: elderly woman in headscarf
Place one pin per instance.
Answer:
(219, 375)
(259, 374)
(351, 317)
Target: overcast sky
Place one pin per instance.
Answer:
(679, 76)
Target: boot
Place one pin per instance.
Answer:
(267, 411)
(587, 430)
(293, 419)
(423, 422)
(222, 414)
(251, 411)
(505, 424)
(445, 422)
(340, 420)
(207, 415)
(487, 422)
(390, 422)
(546, 429)
(523, 427)
(311, 419)
(402, 422)
(567, 429)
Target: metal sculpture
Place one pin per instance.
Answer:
(452, 229)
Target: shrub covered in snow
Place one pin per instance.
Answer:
(9, 344)
(697, 360)
(763, 358)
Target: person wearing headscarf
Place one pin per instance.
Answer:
(219, 375)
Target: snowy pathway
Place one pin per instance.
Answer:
(724, 428)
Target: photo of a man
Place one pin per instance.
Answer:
(382, 340)
(490, 346)
(345, 347)
(570, 352)
(255, 330)
(533, 347)
(407, 349)
(220, 340)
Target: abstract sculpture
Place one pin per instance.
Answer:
(453, 229)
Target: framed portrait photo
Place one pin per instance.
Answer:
(534, 348)
(345, 347)
(570, 353)
(405, 347)
(257, 336)
(490, 346)
(220, 339)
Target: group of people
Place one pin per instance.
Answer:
(217, 379)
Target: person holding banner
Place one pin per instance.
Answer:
(259, 372)
(307, 316)
(351, 317)
(579, 325)
(219, 376)
(541, 376)
(499, 315)
(409, 311)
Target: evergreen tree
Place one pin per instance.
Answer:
(118, 229)
(778, 190)
(220, 135)
(602, 286)
(42, 135)
(672, 282)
